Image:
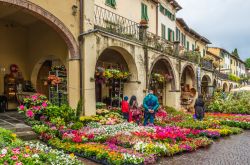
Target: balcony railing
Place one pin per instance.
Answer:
(222, 75)
(159, 43)
(206, 64)
(115, 24)
(192, 56)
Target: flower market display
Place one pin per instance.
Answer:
(13, 151)
(237, 103)
(107, 139)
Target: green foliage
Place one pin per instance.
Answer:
(233, 78)
(79, 108)
(65, 112)
(235, 52)
(77, 125)
(234, 103)
(248, 63)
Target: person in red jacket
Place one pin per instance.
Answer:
(125, 108)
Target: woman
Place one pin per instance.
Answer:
(135, 112)
(125, 108)
(199, 107)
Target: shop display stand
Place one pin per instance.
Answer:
(58, 93)
(116, 92)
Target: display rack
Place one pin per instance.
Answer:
(58, 92)
(116, 92)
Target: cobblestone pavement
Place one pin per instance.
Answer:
(233, 150)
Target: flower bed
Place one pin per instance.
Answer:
(13, 151)
(107, 139)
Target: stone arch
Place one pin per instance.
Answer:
(230, 87)
(38, 65)
(205, 82)
(225, 87)
(128, 57)
(112, 57)
(191, 70)
(169, 67)
(50, 20)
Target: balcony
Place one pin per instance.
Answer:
(159, 43)
(207, 64)
(192, 56)
(113, 23)
(222, 75)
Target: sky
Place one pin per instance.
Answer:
(226, 23)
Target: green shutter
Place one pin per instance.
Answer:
(173, 35)
(177, 39)
(161, 9)
(163, 31)
(192, 47)
(111, 3)
(144, 12)
(204, 52)
(169, 34)
(188, 45)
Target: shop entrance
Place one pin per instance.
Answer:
(111, 75)
(188, 91)
(162, 80)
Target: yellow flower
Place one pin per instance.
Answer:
(13, 135)
(72, 155)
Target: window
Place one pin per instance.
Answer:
(144, 12)
(167, 13)
(163, 31)
(188, 45)
(178, 34)
(192, 47)
(170, 35)
(111, 3)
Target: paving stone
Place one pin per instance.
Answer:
(234, 150)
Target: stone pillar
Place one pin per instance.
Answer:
(73, 83)
(89, 64)
(176, 48)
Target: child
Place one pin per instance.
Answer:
(125, 108)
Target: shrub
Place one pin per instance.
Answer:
(77, 125)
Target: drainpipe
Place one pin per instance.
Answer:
(80, 39)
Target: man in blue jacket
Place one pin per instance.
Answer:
(150, 104)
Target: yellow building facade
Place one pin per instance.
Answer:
(89, 36)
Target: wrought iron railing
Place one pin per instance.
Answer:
(192, 56)
(206, 64)
(159, 43)
(222, 75)
(111, 22)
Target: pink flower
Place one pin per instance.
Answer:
(26, 155)
(18, 163)
(44, 104)
(21, 107)
(14, 157)
(2, 155)
(34, 97)
(16, 151)
(30, 114)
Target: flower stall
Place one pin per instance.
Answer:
(57, 81)
(110, 85)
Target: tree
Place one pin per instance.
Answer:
(248, 63)
(235, 52)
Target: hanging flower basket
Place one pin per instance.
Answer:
(103, 75)
(54, 80)
(144, 23)
(160, 78)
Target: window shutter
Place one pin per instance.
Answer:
(169, 34)
(113, 3)
(188, 45)
(163, 31)
(177, 34)
(142, 11)
(146, 12)
(173, 35)
(161, 9)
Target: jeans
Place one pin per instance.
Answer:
(125, 115)
(150, 117)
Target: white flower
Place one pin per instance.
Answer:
(4, 151)
(35, 156)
